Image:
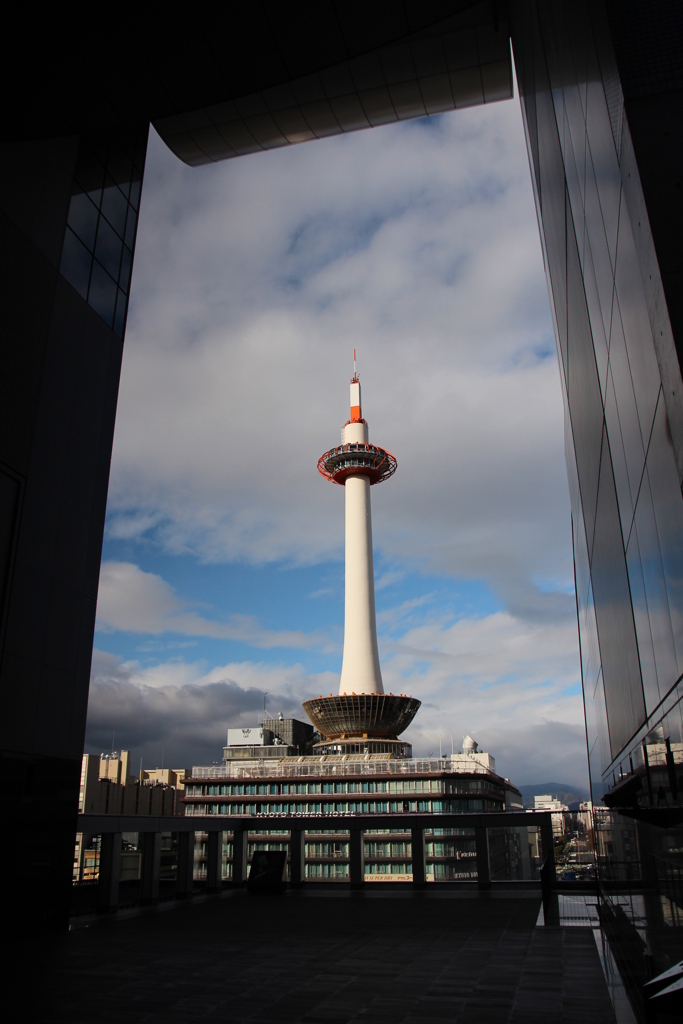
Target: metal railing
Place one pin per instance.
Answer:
(498, 847)
(341, 765)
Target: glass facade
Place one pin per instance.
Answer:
(97, 257)
(620, 377)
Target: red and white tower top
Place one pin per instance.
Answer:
(355, 456)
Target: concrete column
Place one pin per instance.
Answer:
(360, 664)
(483, 867)
(151, 867)
(214, 868)
(356, 858)
(185, 873)
(110, 872)
(548, 846)
(239, 856)
(417, 842)
(297, 857)
(551, 910)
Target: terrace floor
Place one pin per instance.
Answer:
(328, 957)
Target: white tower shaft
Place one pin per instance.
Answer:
(360, 665)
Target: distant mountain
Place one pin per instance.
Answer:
(572, 796)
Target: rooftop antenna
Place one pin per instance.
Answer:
(354, 362)
(440, 751)
(451, 744)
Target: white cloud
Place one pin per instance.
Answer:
(135, 601)
(415, 244)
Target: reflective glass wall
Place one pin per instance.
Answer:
(620, 404)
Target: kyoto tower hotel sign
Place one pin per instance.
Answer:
(362, 717)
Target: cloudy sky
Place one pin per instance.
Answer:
(222, 576)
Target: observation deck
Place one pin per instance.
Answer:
(357, 459)
(367, 715)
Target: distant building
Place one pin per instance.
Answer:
(275, 737)
(551, 803)
(106, 787)
(275, 784)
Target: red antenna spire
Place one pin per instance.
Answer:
(354, 379)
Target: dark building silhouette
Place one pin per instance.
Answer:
(601, 87)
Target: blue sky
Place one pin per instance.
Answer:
(222, 570)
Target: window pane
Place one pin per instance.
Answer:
(130, 228)
(76, 262)
(83, 219)
(108, 248)
(114, 207)
(135, 192)
(102, 295)
(126, 264)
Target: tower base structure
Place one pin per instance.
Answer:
(362, 723)
(393, 750)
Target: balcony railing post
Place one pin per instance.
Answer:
(483, 868)
(110, 872)
(551, 911)
(185, 864)
(297, 856)
(151, 867)
(356, 857)
(240, 847)
(214, 867)
(417, 843)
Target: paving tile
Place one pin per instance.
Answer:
(378, 960)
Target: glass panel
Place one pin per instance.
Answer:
(668, 510)
(590, 647)
(597, 733)
(102, 295)
(655, 589)
(574, 192)
(585, 401)
(83, 219)
(616, 447)
(602, 153)
(135, 186)
(581, 562)
(616, 630)
(626, 405)
(595, 315)
(515, 854)
(574, 856)
(76, 263)
(114, 207)
(552, 196)
(595, 233)
(108, 248)
(577, 130)
(640, 614)
(126, 265)
(131, 223)
(636, 325)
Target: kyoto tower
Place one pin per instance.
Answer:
(362, 718)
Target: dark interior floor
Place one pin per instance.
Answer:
(328, 958)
